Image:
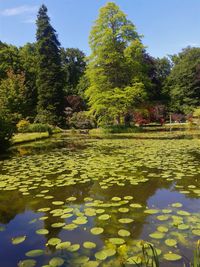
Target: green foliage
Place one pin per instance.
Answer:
(73, 64)
(183, 83)
(6, 132)
(9, 60)
(114, 70)
(49, 77)
(121, 129)
(34, 127)
(28, 62)
(22, 125)
(81, 120)
(13, 96)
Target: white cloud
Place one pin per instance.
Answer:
(19, 10)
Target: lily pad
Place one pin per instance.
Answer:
(27, 263)
(56, 262)
(157, 235)
(54, 241)
(172, 257)
(42, 232)
(123, 233)
(35, 253)
(89, 245)
(171, 242)
(96, 230)
(18, 240)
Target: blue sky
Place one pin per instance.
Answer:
(167, 25)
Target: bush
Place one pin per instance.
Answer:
(6, 132)
(22, 126)
(81, 120)
(121, 129)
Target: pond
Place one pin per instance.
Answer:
(90, 202)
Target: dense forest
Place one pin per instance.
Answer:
(43, 84)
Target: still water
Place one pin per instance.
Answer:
(90, 202)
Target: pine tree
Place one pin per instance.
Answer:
(49, 78)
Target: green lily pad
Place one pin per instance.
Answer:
(151, 211)
(56, 262)
(123, 233)
(163, 217)
(73, 248)
(196, 232)
(172, 257)
(104, 217)
(96, 230)
(183, 226)
(116, 241)
(183, 213)
(101, 255)
(70, 227)
(157, 235)
(134, 260)
(91, 264)
(123, 210)
(35, 253)
(42, 232)
(125, 220)
(57, 203)
(63, 245)
(171, 242)
(54, 241)
(18, 240)
(177, 205)
(57, 225)
(162, 229)
(27, 263)
(89, 245)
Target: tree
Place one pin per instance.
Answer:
(49, 77)
(114, 70)
(13, 96)
(28, 62)
(73, 62)
(9, 60)
(183, 84)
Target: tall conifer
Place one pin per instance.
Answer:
(49, 78)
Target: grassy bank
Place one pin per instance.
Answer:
(28, 137)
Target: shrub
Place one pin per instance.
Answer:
(121, 129)
(6, 132)
(81, 120)
(22, 126)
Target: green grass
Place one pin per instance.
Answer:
(28, 137)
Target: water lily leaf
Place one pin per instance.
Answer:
(35, 253)
(163, 217)
(54, 241)
(183, 213)
(56, 262)
(171, 242)
(57, 225)
(136, 206)
(97, 230)
(42, 232)
(27, 263)
(91, 264)
(162, 229)
(101, 255)
(123, 233)
(89, 245)
(116, 241)
(157, 235)
(151, 211)
(70, 227)
(57, 203)
(172, 257)
(123, 210)
(177, 205)
(73, 247)
(104, 217)
(63, 245)
(196, 232)
(81, 260)
(18, 240)
(134, 260)
(183, 226)
(125, 220)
